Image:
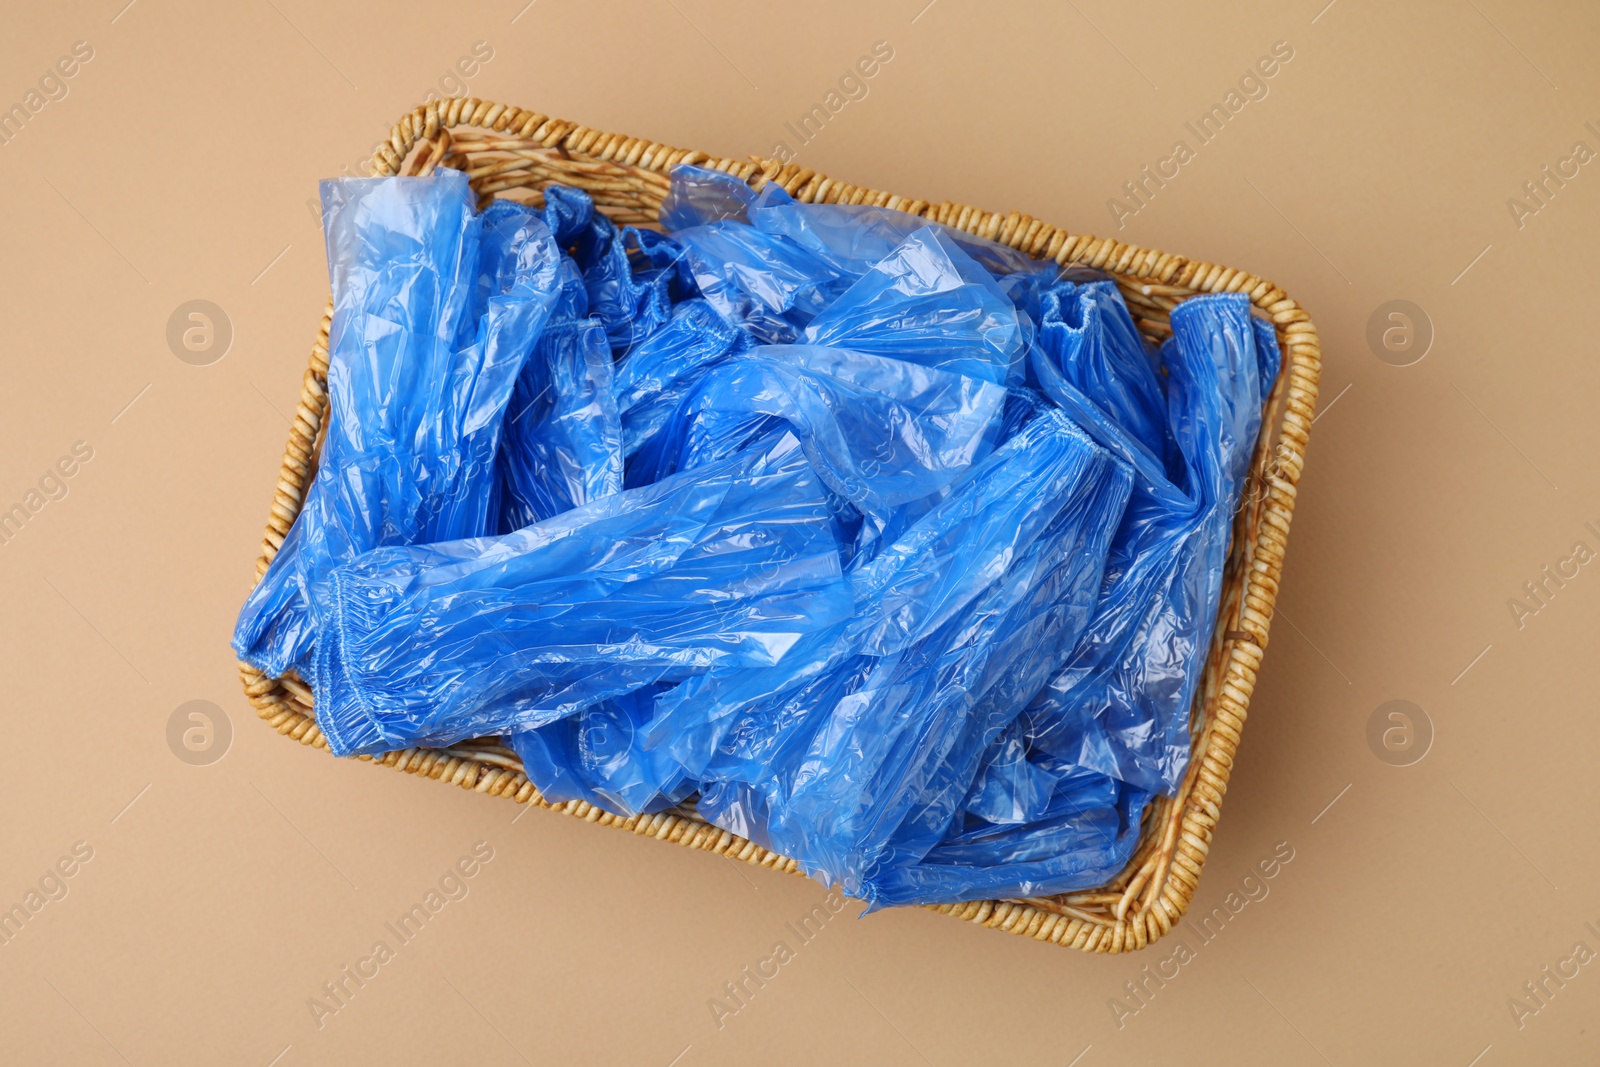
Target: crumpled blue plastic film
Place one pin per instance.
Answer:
(436, 644)
(563, 433)
(730, 723)
(926, 302)
(1120, 703)
(881, 432)
(598, 756)
(884, 771)
(867, 539)
(431, 323)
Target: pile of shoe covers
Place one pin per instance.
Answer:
(882, 545)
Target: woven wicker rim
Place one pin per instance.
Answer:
(510, 152)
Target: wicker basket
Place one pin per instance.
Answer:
(507, 151)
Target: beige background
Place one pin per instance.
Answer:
(219, 898)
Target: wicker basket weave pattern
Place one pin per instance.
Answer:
(508, 151)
